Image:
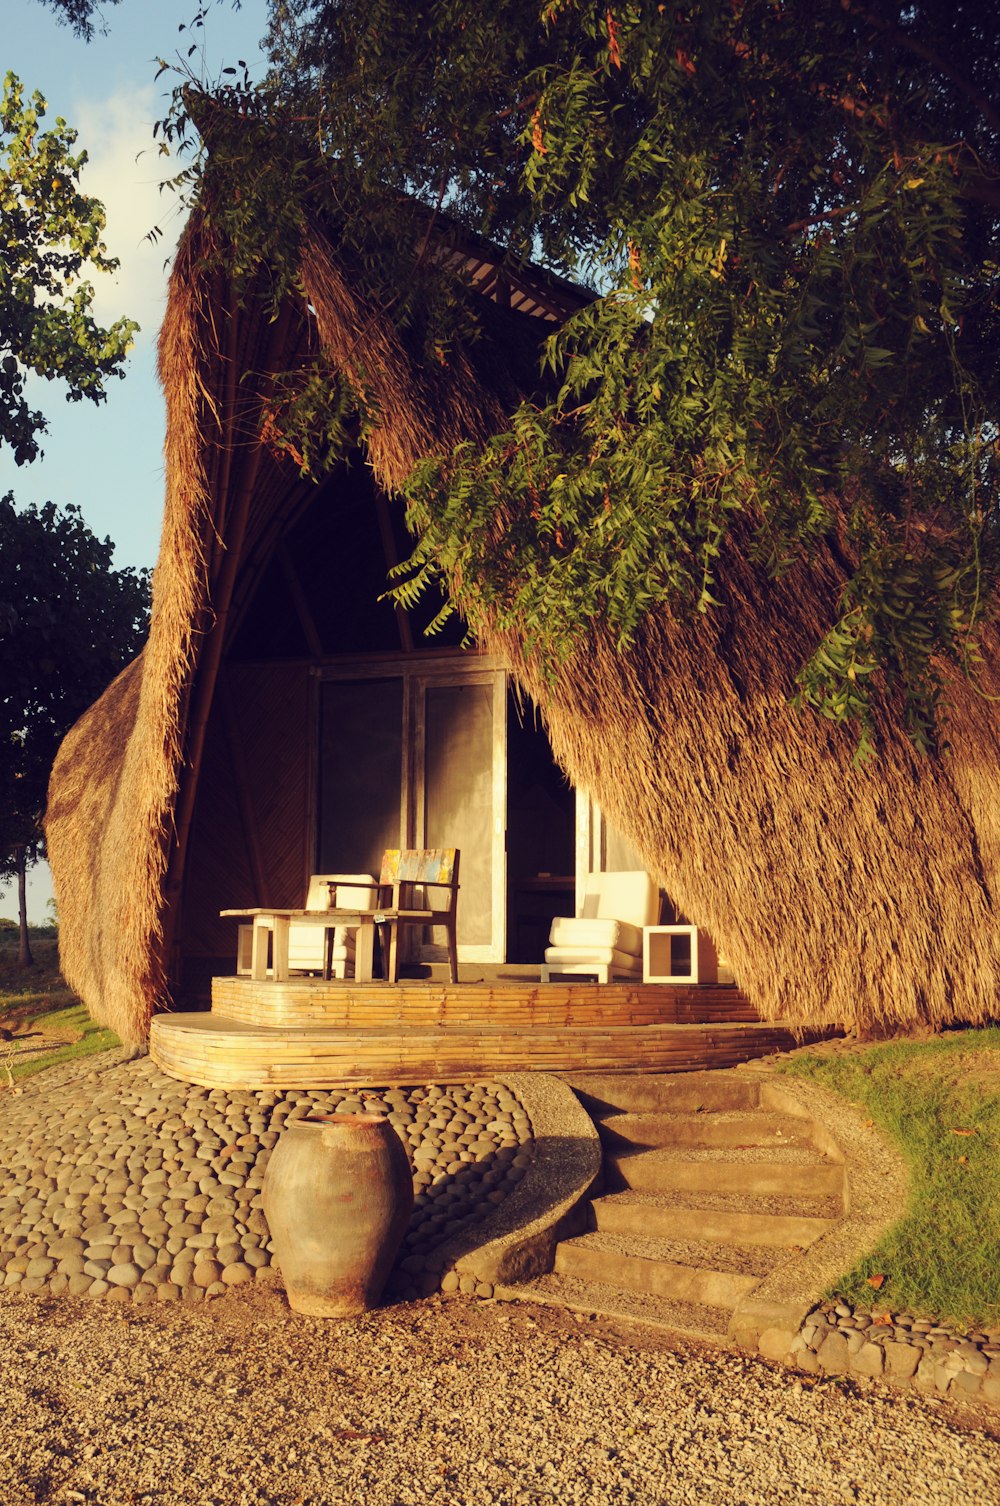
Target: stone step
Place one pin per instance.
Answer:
(826, 1206)
(730, 1128)
(602, 1093)
(597, 1299)
(644, 1266)
(631, 1213)
(754, 1172)
(732, 1257)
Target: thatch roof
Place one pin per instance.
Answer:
(863, 897)
(849, 895)
(121, 794)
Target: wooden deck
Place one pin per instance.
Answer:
(306, 1033)
(518, 1004)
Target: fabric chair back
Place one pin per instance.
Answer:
(346, 897)
(630, 896)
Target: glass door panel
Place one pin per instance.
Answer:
(458, 796)
(415, 757)
(360, 774)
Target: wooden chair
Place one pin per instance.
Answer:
(405, 872)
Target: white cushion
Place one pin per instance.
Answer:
(630, 896)
(623, 962)
(305, 945)
(581, 931)
(348, 897)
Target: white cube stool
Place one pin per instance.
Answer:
(658, 955)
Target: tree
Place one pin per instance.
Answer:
(790, 216)
(51, 237)
(69, 621)
(79, 14)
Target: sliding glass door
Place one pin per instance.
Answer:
(412, 754)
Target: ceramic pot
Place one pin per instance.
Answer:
(338, 1192)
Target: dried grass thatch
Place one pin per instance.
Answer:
(123, 785)
(864, 897)
(859, 896)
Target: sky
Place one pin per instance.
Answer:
(108, 459)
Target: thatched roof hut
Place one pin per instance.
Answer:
(855, 895)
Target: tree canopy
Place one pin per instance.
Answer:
(69, 621)
(789, 216)
(51, 238)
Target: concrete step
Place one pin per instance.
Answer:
(631, 1213)
(699, 1254)
(705, 1191)
(597, 1299)
(809, 1205)
(760, 1172)
(679, 1093)
(732, 1128)
(644, 1266)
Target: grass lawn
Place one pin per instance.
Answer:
(939, 1100)
(48, 1023)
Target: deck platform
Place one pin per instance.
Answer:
(518, 1003)
(307, 1033)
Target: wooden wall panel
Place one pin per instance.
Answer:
(251, 840)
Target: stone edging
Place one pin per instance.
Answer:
(517, 1243)
(788, 1319)
(875, 1188)
(917, 1353)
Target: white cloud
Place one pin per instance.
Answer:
(124, 171)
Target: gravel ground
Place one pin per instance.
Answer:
(451, 1403)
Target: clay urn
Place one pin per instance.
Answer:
(338, 1193)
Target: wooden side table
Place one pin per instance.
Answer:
(273, 925)
(658, 965)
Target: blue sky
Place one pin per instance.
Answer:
(108, 459)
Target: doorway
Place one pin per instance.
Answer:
(541, 836)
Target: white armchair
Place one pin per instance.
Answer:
(605, 939)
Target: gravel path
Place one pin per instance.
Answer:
(445, 1402)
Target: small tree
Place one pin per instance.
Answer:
(69, 621)
(51, 238)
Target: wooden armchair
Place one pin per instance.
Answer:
(406, 873)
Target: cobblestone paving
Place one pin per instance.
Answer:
(119, 1182)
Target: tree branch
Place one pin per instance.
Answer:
(904, 39)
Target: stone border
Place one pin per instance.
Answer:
(518, 1242)
(789, 1320)
(914, 1353)
(876, 1183)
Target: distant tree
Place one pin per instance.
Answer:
(51, 238)
(69, 621)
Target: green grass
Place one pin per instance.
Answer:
(35, 1003)
(943, 1258)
